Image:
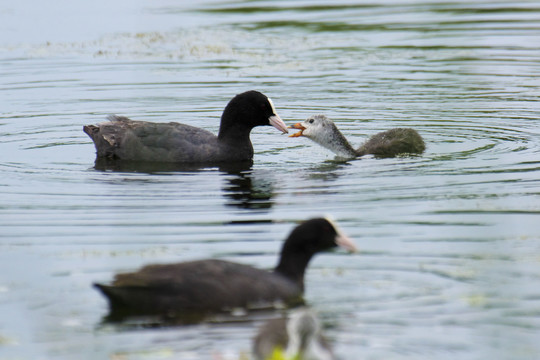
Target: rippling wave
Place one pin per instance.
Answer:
(449, 240)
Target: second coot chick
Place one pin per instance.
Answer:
(125, 139)
(209, 286)
(298, 337)
(388, 143)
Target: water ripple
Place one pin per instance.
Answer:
(448, 240)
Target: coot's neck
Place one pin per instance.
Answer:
(333, 140)
(341, 146)
(233, 122)
(233, 130)
(234, 133)
(293, 266)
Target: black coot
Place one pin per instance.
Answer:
(209, 286)
(125, 139)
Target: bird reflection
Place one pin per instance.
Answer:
(247, 190)
(243, 187)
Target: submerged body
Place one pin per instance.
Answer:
(388, 143)
(208, 286)
(125, 139)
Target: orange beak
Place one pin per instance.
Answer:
(299, 127)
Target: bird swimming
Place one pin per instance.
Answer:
(390, 143)
(296, 337)
(125, 139)
(211, 286)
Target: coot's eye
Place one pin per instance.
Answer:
(311, 121)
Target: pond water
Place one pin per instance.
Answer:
(449, 261)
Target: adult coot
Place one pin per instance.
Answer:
(297, 337)
(125, 139)
(210, 286)
(388, 143)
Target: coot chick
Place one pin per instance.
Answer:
(125, 139)
(388, 143)
(210, 286)
(297, 337)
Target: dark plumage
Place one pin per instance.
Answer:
(125, 139)
(388, 143)
(393, 142)
(207, 286)
(298, 336)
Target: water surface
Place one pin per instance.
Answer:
(450, 241)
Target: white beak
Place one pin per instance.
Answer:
(276, 122)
